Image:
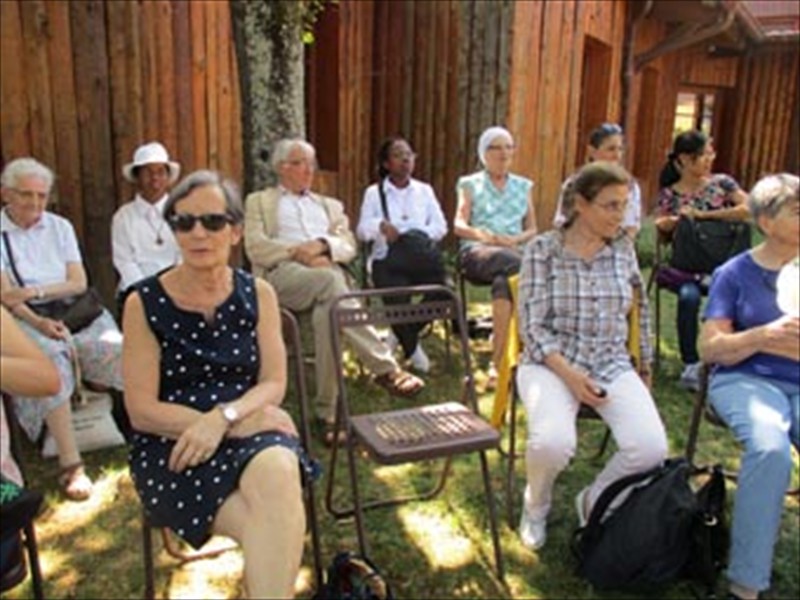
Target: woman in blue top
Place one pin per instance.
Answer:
(494, 218)
(755, 385)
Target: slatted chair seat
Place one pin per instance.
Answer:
(438, 430)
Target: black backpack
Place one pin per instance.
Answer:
(353, 577)
(663, 530)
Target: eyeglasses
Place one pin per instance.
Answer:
(613, 207)
(210, 221)
(31, 194)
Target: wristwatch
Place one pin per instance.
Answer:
(229, 413)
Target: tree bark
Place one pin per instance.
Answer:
(269, 50)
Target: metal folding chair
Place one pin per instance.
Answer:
(294, 353)
(17, 575)
(703, 410)
(448, 427)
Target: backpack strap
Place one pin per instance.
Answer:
(382, 194)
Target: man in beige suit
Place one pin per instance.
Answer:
(297, 240)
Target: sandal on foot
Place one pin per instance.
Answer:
(74, 482)
(327, 434)
(400, 383)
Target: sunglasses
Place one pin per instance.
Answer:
(210, 221)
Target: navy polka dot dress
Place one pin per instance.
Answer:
(202, 364)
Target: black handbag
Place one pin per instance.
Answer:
(700, 246)
(76, 312)
(414, 248)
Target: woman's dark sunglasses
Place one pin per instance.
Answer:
(210, 221)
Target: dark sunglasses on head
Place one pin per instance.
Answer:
(209, 221)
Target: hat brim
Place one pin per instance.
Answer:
(173, 168)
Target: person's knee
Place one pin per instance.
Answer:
(272, 475)
(772, 453)
(500, 289)
(551, 447)
(645, 450)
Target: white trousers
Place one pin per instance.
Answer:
(552, 437)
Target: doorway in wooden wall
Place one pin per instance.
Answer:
(595, 89)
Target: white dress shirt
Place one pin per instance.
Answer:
(412, 207)
(41, 252)
(136, 229)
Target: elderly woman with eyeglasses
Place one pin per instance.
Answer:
(40, 262)
(576, 290)
(205, 375)
(752, 339)
(690, 189)
(494, 218)
(607, 143)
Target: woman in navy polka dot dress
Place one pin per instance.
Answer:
(205, 374)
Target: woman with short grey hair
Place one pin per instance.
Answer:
(752, 340)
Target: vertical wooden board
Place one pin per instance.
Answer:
(224, 86)
(407, 77)
(125, 136)
(165, 75)
(197, 15)
(751, 112)
(182, 51)
(501, 112)
(14, 117)
(490, 40)
(768, 108)
(475, 71)
(65, 113)
(135, 73)
(364, 86)
(616, 41)
(440, 157)
(346, 104)
(393, 30)
(738, 121)
(431, 85)
(787, 109)
(150, 69)
(87, 21)
(212, 81)
(419, 97)
(380, 57)
(37, 81)
(237, 149)
(456, 121)
(575, 92)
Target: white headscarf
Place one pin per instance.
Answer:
(490, 135)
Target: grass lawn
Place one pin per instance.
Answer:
(435, 549)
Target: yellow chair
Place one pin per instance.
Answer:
(506, 392)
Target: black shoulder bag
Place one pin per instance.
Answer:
(414, 248)
(76, 312)
(701, 245)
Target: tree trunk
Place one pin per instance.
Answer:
(269, 50)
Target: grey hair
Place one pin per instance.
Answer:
(25, 167)
(771, 193)
(204, 178)
(588, 182)
(285, 146)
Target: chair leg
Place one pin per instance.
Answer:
(512, 455)
(657, 357)
(33, 561)
(487, 485)
(313, 526)
(147, 554)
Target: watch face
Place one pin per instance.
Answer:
(230, 414)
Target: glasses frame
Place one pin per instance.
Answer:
(211, 222)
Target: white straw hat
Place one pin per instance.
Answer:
(149, 154)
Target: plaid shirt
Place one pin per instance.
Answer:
(579, 307)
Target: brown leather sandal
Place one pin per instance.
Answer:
(400, 383)
(74, 482)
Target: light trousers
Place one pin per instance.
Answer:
(300, 288)
(764, 415)
(552, 433)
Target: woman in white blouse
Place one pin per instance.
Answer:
(576, 290)
(39, 262)
(410, 206)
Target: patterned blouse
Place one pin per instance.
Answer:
(716, 194)
(579, 307)
(501, 212)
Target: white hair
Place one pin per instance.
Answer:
(285, 146)
(490, 135)
(25, 167)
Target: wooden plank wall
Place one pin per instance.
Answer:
(766, 99)
(546, 86)
(83, 83)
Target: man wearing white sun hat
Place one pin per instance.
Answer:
(142, 242)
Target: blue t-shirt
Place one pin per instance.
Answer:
(745, 293)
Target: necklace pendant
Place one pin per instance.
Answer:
(159, 241)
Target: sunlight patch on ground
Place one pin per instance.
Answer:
(433, 534)
(217, 577)
(67, 516)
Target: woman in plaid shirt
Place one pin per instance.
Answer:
(576, 289)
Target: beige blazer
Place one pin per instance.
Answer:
(261, 245)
